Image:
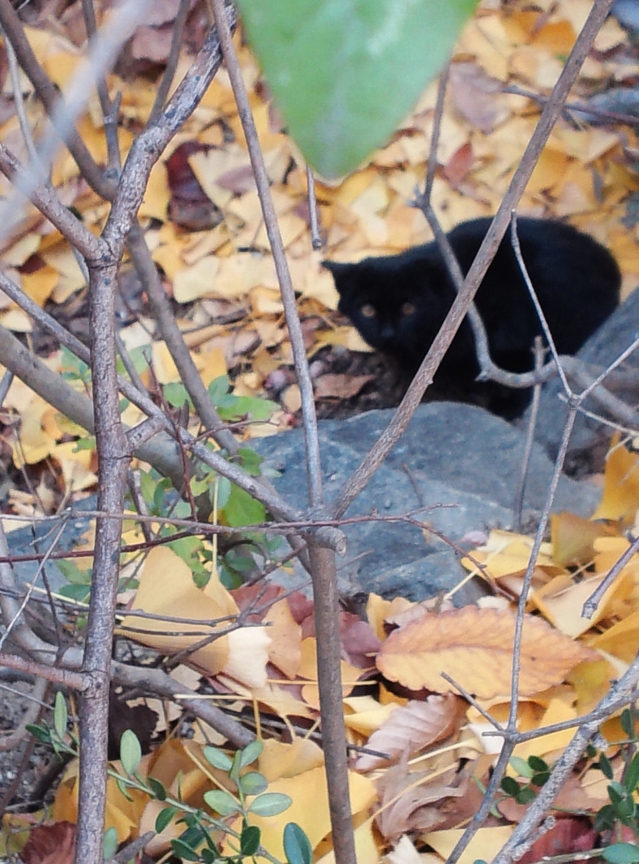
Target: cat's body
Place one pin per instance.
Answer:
(398, 303)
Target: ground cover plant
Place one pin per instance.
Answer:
(162, 293)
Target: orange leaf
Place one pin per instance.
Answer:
(411, 728)
(475, 647)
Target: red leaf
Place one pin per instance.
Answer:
(50, 844)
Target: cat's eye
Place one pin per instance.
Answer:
(367, 310)
(408, 308)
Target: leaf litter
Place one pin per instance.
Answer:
(419, 752)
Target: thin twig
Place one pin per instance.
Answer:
(518, 506)
(171, 62)
(311, 197)
(593, 601)
(279, 256)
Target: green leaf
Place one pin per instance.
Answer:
(628, 722)
(538, 764)
(60, 715)
(252, 783)
(605, 767)
(251, 752)
(525, 795)
(521, 767)
(250, 840)
(540, 779)
(218, 759)
(270, 804)
(87, 443)
(222, 802)
(631, 776)
(124, 789)
(158, 789)
(41, 733)
(621, 853)
(242, 510)
(176, 394)
(109, 843)
(164, 817)
(297, 846)
(224, 487)
(510, 786)
(72, 573)
(251, 461)
(218, 388)
(183, 850)
(346, 72)
(130, 751)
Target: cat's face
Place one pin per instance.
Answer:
(387, 307)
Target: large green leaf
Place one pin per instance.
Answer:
(346, 72)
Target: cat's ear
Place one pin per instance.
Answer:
(336, 268)
(341, 273)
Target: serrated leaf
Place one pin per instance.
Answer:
(297, 846)
(218, 388)
(218, 759)
(345, 72)
(475, 648)
(270, 804)
(130, 751)
(222, 802)
(60, 715)
(241, 509)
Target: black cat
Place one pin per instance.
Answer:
(399, 302)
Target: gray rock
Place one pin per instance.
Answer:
(627, 13)
(456, 469)
(602, 349)
(40, 538)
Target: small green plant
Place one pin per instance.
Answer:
(620, 813)
(248, 795)
(534, 773)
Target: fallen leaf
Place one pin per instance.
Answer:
(620, 498)
(340, 386)
(50, 844)
(412, 728)
(474, 647)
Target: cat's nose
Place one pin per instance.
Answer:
(387, 333)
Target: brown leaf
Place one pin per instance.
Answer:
(459, 164)
(569, 836)
(50, 844)
(340, 386)
(412, 728)
(475, 647)
(476, 96)
(405, 800)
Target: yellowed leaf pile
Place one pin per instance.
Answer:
(421, 751)
(584, 175)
